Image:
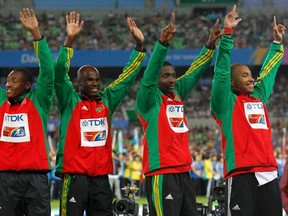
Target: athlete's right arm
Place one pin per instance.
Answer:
(63, 86)
(146, 95)
(221, 85)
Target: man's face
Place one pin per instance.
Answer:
(242, 79)
(167, 80)
(89, 83)
(16, 85)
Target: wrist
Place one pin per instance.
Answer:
(164, 43)
(228, 31)
(277, 42)
(139, 46)
(69, 41)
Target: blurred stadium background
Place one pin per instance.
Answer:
(106, 44)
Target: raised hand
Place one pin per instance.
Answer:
(73, 27)
(30, 22)
(73, 24)
(279, 31)
(169, 31)
(215, 34)
(136, 33)
(231, 19)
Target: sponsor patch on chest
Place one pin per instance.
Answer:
(255, 115)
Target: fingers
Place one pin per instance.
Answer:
(172, 20)
(234, 8)
(171, 27)
(128, 20)
(32, 12)
(281, 29)
(131, 24)
(274, 22)
(77, 18)
(26, 13)
(216, 24)
(73, 18)
(67, 19)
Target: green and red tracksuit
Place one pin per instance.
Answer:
(23, 143)
(166, 134)
(24, 149)
(85, 147)
(243, 120)
(166, 155)
(250, 167)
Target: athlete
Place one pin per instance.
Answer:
(84, 157)
(166, 156)
(24, 162)
(239, 107)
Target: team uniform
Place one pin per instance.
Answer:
(249, 162)
(24, 161)
(85, 152)
(166, 157)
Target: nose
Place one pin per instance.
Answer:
(172, 79)
(95, 82)
(8, 83)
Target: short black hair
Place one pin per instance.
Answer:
(27, 75)
(166, 63)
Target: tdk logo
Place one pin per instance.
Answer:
(93, 122)
(14, 118)
(176, 109)
(254, 106)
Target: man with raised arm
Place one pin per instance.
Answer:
(238, 105)
(159, 106)
(24, 161)
(84, 157)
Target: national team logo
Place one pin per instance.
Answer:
(14, 131)
(92, 136)
(256, 118)
(177, 122)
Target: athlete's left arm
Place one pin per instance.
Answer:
(117, 90)
(45, 80)
(186, 82)
(265, 82)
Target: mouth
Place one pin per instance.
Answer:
(94, 90)
(250, 84)
(8, 91)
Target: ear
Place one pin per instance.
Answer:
(232, 83)
(78, 81)
(28, 85)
